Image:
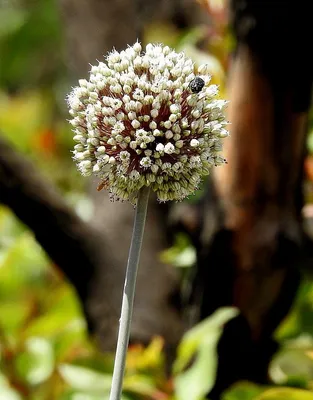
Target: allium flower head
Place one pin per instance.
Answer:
(147, 119)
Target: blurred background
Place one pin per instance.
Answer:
(61, 270)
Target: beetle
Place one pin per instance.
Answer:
(196, 84)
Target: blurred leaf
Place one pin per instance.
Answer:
(6, 392)
(74, 395)
(149, 358)
(289, 326)
(23, 262)
(34, 111)
(285, 394)
(9, 394)
(85, 379)
(139, 384)
(10, 228)
(243, 391)
(310, 141)
(73, 342)
(13, 314)
(11, 19)
(34, 35)
(36, 363)
(200, 343)
(292, 363)
(300, 318)
(63, 314)
(181, 254)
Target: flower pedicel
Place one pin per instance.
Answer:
(146, 119)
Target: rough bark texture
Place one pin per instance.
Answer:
(251, 260)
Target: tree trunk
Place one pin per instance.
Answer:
(251, 260)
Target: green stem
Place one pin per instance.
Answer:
(129, 294)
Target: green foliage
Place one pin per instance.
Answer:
(199, 347)
(243, 391)
(285, 393)
(33, 30)
(45, 352)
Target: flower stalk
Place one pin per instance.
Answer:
(129, 294)
(146, 120)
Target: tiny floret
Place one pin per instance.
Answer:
(147, 118)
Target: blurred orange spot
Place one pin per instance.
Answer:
(44, 141)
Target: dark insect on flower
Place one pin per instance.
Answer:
(196, 85)
(138, 121)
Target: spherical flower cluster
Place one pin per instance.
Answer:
(146, 119)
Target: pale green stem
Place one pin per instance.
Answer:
(129, 294)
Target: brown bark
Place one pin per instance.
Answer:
(251, 257)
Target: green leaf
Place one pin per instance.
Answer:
(23, 263)
(6, 392)
(139, 384)
(291, 365)
(310, 142)
(243, 391)
(13, 314)
(36, 363)
(9, 394)
(74, 395)
(285, 394)
(11, 20)
(181, 254)
(200, 343)
(85, 379)
(62, 315)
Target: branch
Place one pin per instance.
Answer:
(71, 243)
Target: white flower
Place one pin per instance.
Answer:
(147, 118)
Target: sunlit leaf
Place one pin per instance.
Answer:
(181, 254)
(285, 394)
(34, 34)
(85, 379)
(24, 262)
(291, 364)
(63, 314)
(6, 392)
(200, 343)
(36, 363)
(53, 324)
(243, 391)
(146, 358)
(11, 19)
(10, 229)
(74, 395)
(310, 142)
(13, 314)
(9, 394)
(140, 384)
